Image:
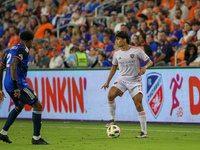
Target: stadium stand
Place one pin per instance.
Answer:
(53, 20)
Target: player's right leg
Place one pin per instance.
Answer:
(114, 92)
(142, 115)
(30, 98)
(37, 121)
(11, 118)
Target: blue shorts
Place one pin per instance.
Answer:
(28, 96)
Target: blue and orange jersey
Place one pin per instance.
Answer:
(20, 52)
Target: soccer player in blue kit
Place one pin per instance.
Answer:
(16, 86)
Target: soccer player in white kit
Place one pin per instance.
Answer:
(128, 58)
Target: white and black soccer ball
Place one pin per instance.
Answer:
(113, 131)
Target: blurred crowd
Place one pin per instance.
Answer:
(161, 29)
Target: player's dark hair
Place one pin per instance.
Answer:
(26, 36)
(123, 35)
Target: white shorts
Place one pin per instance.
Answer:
(134, 87)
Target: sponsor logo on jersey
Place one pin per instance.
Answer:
(132, 55)
(155, 93)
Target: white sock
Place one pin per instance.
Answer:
(112, 108)
(3, 132)
(36, 137)
(143, 121)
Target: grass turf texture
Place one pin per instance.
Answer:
(83, 135)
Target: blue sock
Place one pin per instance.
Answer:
(11, 118)
(37, 122)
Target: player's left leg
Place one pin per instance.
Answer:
(11, 118)
(142, 115)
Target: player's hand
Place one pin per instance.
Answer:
(2, 96)
(17, 93)
(142, 71)
(106, 85)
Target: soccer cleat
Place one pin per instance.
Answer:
(142, 135)
(111, 122)
(39, 142)
(5, 138)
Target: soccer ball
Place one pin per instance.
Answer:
(113, 131)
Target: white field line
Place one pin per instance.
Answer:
(89, 128)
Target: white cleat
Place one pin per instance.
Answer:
(142, 135)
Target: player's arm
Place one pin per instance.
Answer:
(2, 67)
(13, 68)
(112, 73)
(148, 65)
(19, 56)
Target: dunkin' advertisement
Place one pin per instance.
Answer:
(169, 95)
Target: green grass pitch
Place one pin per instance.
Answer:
(89, 135)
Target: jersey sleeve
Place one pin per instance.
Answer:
(143, 56)
(114, 60)
(21, 54)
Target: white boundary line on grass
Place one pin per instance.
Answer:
(133, 129)
(121, 129)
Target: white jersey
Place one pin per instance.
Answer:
(129, 62)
